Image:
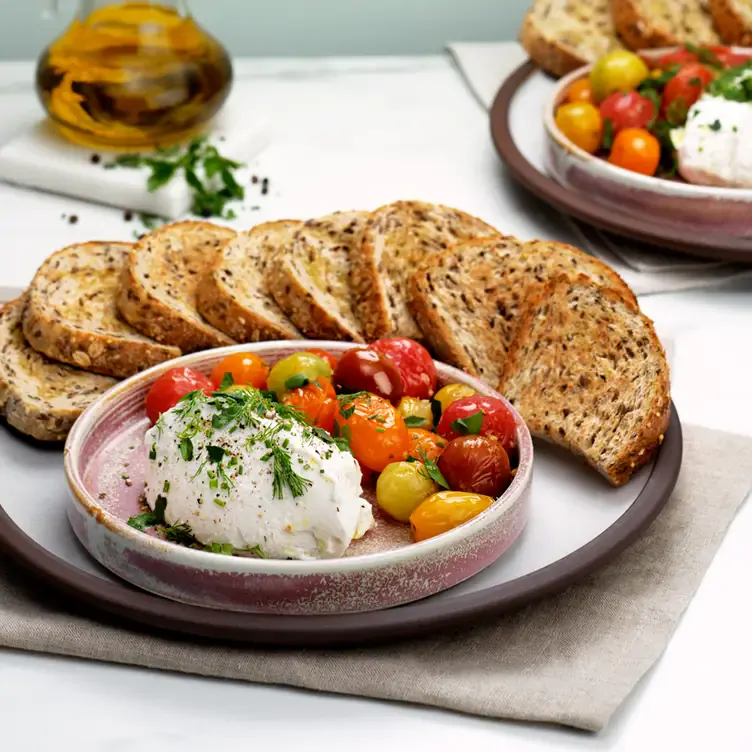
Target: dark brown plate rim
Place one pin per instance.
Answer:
(646, 230)
(412, 620)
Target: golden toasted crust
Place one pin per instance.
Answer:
(158, 286)
(71, 315)
(233, 295)
(733, 19)
(548, 54)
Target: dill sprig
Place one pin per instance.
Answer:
(180, 532)
(284, 474)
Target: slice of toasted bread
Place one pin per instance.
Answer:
(311, 282)
(467, 300)
(71, 315)
(643, 24)
(587, 371)
(158, 287)
(563, 35)
(39, 397)
(396, 239)
(233, 295)
(733, 19)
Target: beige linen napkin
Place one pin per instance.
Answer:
(571, 659)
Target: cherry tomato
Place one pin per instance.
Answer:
(476, 463)
(425, 444)
(445, 510)
(679, 57)
(416, 412)
(171, 387)
(683, 90)
(618, 71)
(245, 368)
(582, 124)
(363, 369)
(414, 363)
(724, 55)
(376, 431)
(402, 488)
(485, 416)
(317, 401)
(580, 91)
(730, 59)
(636, 150)
(296, 370)
(451, 393)
(324, 355)
(627, 110)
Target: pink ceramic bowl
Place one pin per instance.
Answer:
(704, 208)
(105, 460)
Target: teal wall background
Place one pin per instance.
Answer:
(301, 27)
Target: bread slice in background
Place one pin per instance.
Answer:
(563, 35)
(71, 313)
(468, 299)
(733, 19)
(40, 397)
(587, 371)
(233, 295)
(398, 238)
(644, 24)
(158, 286)
(311, 281)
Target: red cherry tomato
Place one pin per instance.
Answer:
(476, 463)
(680, 57)
(414, 363)
(171, 387)
(485, 416)
(627, 110)
(324, 355)
(730, 59)
(246, 369)
(317, 401)
(365, 370)
(683, 90)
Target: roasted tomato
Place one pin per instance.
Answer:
(416, 412)
(580, 91)
(297, 370)
(451, 393)
(413, 362)
(363, 369)
(484, 416)
(324, 355)
(683, 90)
(375, 430)
(317, 401)
(425, 444)
(637, 150)
(476, 463)
(627, 110)
(582, 124)
(445, 510)
(171, 387)
(618, 71)
(402, 487)
(246, 369)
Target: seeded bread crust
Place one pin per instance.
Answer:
(71, 314)
(233, 295)
(733, 19)
(311, 282)
(39, 397)
(397, 238)
(587, 371)
(158, 286)
(563, 35)
(644, 24)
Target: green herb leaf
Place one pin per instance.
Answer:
(166, 487)
(220, 548)
(216, 453)
(186, 449)
(227, 381)
(151, 518)
(715, 126)
(413, 421)
(608, 133)
(297, 381)
(153, 452)
(257, 552)
(468, 425)
(180, 532)
(431, 470)
(704, 55)
(161, 173)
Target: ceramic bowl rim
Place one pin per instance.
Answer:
(611, 173)
(243, 565)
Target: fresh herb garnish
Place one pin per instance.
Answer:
(412, 421)
(153, 452)
(216, 453)
(715, 125)
(432, 470)
(704, 55)
(284, 474)
(734, 84)
(257, 552)
(221, 548)
(608, 133)
(297, 381)
(151, 518)
(227, 381)
(166, 487)
(186, 448)
(471, 424)
(180, 532)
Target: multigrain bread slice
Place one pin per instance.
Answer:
(397, 238)
(233, 295)
(71, 315)
(563, 35)
(311, 282)
(733, 19)
(468, 299)
(39, 397)
(644, 24)
(158, 286)
(588, 372)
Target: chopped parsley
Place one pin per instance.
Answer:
(186, 449)
(413, 421)
(734, 84)
(608, 133)
(227, 381)
(470, 424)
(297, 381)
(153, 452)
(431, 470)
(150, 518)
(715, 126)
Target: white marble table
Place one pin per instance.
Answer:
(356, 133)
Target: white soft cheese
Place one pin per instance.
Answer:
(715, 146)
(320, 523)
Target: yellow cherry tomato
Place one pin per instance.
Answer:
(296, 370)
(620, 70)
(451, 393)
(445, 510)
(416, 412)
(580, 91)
(402, 487)
(582, 124)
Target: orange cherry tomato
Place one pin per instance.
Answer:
(376, 431)
(637, 150)
(445, 510)
(317, 401)
(582, 124)
(324, 355)
(246, 369)
(426, 443)
(581, 91)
